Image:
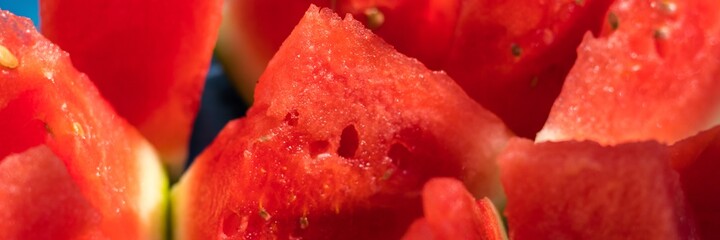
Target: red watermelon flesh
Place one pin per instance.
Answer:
(27, 179)
(472, 40)
(699, 179)
(653, 74)
(254, 30)
(343, 134)
(45, 101)
(450, 212)
(582, 190)
(148, 58)
(513, 56)
(422, 29)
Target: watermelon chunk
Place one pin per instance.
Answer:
(581, 190)
(254, 30)
(343, 134)
(450, 212)
(148, 58)
(50, 112)
(513, 56)
(653, 74)
(473, 40)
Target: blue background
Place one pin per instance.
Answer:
(26, 8)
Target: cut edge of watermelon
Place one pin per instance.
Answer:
(490, 207)
(153, 195)
(553, 134)
(177, 206)
(686, 15)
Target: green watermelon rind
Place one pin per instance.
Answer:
(177, 207)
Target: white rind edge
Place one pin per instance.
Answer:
(503, 229)
(548, 135)
(152, 199)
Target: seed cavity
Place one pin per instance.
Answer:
(292, 117)
(7, 59)
(398, 155)
(349, 142)
(375, 18)
(233, 224)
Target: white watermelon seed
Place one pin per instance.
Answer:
(7, 59)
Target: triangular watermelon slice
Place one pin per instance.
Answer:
(147, 58)
(253, 30)
(582, 190)
(50, 112)
(343, 134)
(653, 74)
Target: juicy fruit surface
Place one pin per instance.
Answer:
(36, 174)
(45, 101)
(510, 56)
(450, 212)
(255, 30)
(651, 75)
(627, 191)
(342, 136)
(422, 29)
(513, 56)
(148, 58)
